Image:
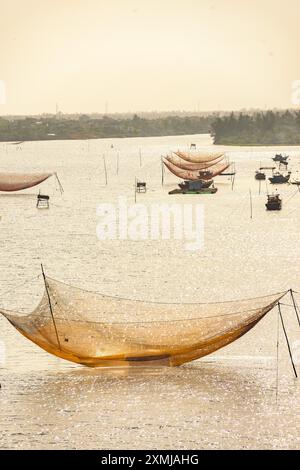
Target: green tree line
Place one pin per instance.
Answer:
(53, 128)
(260, 128)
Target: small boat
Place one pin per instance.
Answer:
(199, 184)
(259, 175)
(205, 174)
(274, 202)
(195, 187)
(279, 178)
(280, 158)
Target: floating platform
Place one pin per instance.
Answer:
(194, 191)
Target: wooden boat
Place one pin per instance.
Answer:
(280, 158)
(198, 184)
(274, 203)
(185, 165)
(279, 178)
(195, 187)
(259, 175)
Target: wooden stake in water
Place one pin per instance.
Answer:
(162, 171)
(59, 183)
(287, 341)
(135, 191)
(251, 207)
(277, 358)
(105, 169)
(117, 163)
(295, 306)
(233, 176)
(140, 155)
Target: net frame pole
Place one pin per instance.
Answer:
(277, 359)
(59, 183)
(162, 171)
(287, 341)
(251, 206)
(105, 170)
(117, 163)
(295, 305)
(233, 176)
(50, 307)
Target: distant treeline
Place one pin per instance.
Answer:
(261, 128)
(244, 128)
(85, 127)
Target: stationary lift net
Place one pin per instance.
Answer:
(99, 330)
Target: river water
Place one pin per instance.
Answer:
(231, 399)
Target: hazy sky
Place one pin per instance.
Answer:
(148, 54)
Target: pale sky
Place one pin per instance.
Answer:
(148, 54)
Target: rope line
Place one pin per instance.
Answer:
(282, 293)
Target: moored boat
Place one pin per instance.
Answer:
(279, 178)
(274, 203)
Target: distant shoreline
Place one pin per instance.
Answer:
(19, 142)
(270, 128)
(87, 128)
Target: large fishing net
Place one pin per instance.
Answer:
(19, 181)
(198, 157)
(99, 330)
(194, 175)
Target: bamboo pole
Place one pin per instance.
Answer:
(118, 163)
(251, 206)
(287, 340)
(295, 306)
(233, 177)
(59, 183)
(162, 172)
(105, 169)
(277, 359)
(50, 307)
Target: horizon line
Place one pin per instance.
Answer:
(223, 111)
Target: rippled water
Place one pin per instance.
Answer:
(227, 400)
